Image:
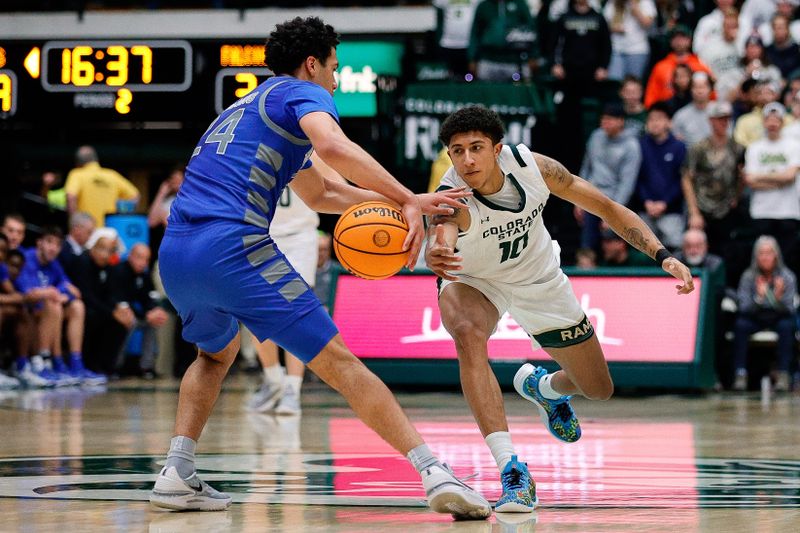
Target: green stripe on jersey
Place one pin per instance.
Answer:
(517, 156)
(561, 338)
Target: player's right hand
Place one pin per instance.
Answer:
(441, 258)
(435, 203)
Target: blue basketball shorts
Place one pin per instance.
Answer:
(218, 274)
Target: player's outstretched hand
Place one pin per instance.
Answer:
(435, 203)
(441, 258)
(412, 212)
(675, 268)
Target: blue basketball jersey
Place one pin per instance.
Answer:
(249, 154)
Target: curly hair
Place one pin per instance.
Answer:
(472, 118)
(292, 42)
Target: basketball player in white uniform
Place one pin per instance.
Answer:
(294, 229)
(495, 255)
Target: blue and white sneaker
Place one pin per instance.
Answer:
(557, 415)
(83, 374)
(519, 489)
(31, 378)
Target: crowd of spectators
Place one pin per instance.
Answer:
(701, 136)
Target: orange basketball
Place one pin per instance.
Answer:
(368, 240)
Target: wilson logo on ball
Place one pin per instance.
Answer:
(368, 240)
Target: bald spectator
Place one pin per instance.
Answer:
(108, 319)
(14, 230)
(94, 189)
(81, 226)
(135, 288)
(694, 251)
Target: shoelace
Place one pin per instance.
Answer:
(513, 479)
(562, 411)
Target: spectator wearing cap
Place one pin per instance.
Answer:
(712, 181)
(611, 164)
(784, 53)
(786, 8)
(770, 170)
(690, 124)
(659, 86)
(750, 126)
(710, 26)
(658, 189)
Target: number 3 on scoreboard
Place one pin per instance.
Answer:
(222, 133)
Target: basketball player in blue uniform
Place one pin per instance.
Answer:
(220, 266)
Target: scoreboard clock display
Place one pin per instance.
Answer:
(163, 84)
(162, 66)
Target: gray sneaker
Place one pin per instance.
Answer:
(289, 403)
(266, 397)
(447, 494)
(740, 383)
(173, 492)
(7, 382)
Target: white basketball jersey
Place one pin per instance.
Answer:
(292, 216)
(505, 244)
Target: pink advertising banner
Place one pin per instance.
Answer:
(636, 319)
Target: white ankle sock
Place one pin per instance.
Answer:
(501, 447)
(294, 382)
(273, 374)
(547, 389)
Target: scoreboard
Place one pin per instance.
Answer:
(133, 80)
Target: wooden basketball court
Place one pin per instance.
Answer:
(84, 460)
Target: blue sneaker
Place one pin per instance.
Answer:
(83, 374)
(62, 373)
(557, 415)
(519, 489)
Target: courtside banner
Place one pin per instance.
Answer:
(636, 319)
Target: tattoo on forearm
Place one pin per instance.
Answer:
(636, 238)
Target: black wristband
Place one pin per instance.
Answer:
(662, 255)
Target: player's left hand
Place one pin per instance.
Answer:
(435, 203)
(678, 270)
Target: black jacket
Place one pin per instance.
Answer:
(581, 43)
(134, 288)
(97, 286)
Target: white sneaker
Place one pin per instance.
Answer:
(289, 403)
(7, 382)
(447, 494)
(173, 492)
(266, 397)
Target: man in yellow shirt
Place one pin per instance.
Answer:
(750, 126)
(94, 189)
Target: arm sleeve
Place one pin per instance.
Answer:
(746, 293)
(308, 99)
(629, 171)
(73, 185)
(604, 55)
(474, 33)
(787, 299)
(127, 190)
